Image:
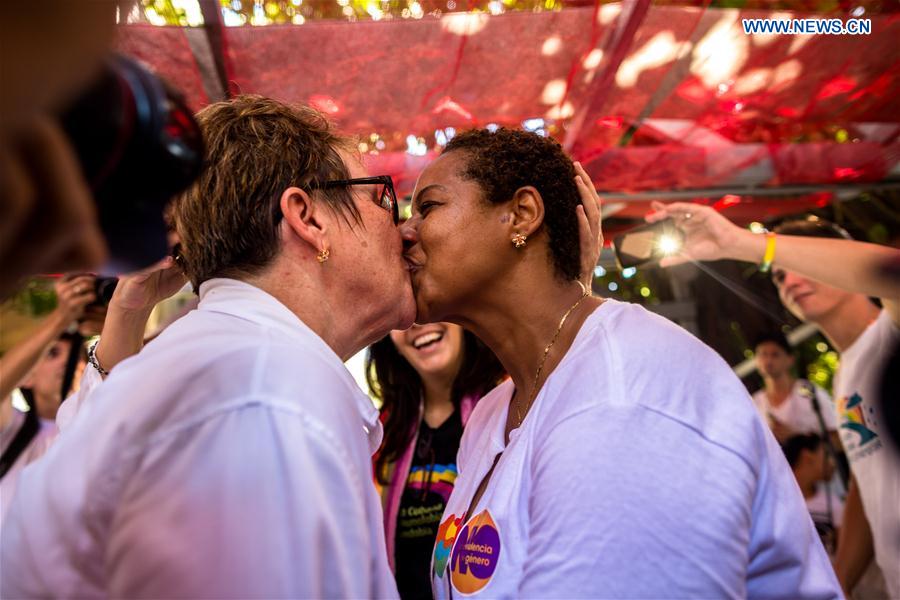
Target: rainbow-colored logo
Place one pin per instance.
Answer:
(851, 409)
(446, 535)
(438, 479)
(475, 554)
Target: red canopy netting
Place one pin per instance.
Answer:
(672, 100)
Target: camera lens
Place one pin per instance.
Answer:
(104, 288)
(138, 145)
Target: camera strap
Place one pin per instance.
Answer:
(809, 390)
(75, 350)
(26, 433)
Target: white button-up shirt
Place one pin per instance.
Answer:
(228, 459)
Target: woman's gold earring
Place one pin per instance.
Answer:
(323, 255)
(518, 240)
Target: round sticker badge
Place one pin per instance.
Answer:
(475, 554)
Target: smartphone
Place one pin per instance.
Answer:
(647, 243)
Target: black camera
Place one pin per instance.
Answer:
(138, 145)
(103, 290)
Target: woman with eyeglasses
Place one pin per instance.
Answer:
(623, 458)
(428, 379)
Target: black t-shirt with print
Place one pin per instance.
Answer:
(428, 486)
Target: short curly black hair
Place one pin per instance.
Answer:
(504, 160)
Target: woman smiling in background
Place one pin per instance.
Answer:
(428, 379)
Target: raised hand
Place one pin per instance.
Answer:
(590, 228)
(707, 234)
(134, 298)
(73, 295)
(142, 290)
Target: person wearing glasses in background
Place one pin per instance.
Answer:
(825, 278)
(231, 457)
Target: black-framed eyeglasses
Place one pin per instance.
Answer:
(386, 198)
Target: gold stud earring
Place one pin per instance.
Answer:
(518, 240)
(323, 255)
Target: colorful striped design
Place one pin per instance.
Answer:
(440, 481)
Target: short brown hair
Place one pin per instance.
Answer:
(256, 148)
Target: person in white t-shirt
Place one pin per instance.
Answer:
(825, 278)
(231, 457)
(785, 401)
(623, 458)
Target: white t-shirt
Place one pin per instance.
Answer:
(797, 412)
(873, 460)
(231, 458)
(641, 470)
(36, 448)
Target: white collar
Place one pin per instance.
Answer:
(248, 302)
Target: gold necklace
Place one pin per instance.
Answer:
(537, 374)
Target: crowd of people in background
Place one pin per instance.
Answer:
(839, 302)
(464, 473)
(534, 439)
(800, 416)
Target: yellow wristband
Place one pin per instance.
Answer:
(769, 254)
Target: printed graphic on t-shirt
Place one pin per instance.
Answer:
(419, 521)
(858, 421)
(438, 479)
(427, 489)
(475, 554)
(446, 535)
